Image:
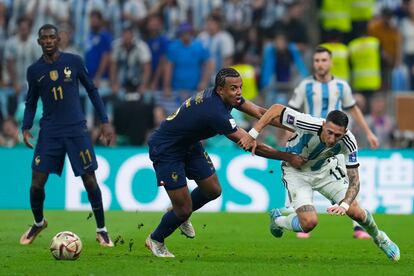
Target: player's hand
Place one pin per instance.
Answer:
(248, 143)
(26, 136)
(336, 210)
(373, 140)
(107, 134)
(296, 161)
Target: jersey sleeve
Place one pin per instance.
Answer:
(350, 150)
(222, 122)
(92, 91)
(300, 121)
(298, 96)
(348, 100)
(31, 100)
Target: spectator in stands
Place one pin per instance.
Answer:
(133, 116)
(361, 13)
(113, 16)
(277, 77)
(20, 51)
(53, 12)
(134, 13)
(130, 63)
(10, 134)
(66, 39)
(390, 40)
(380, 122)
(16, 9)
(80, 14)
(3, 37)
(291, 24)
(158, 45)
(188, 67)
(200, 9)
(407, 32)
(237, 19)
(173, 12)
(335, 15)
(98, 50)
(219, 42)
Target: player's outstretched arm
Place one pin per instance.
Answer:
(266, 151)
(359, 118)
(351, 193)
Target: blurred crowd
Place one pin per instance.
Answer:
(147, 56)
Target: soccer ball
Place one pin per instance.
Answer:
(66, 245)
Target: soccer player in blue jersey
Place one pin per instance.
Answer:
(55, 79)
(321, 93)
(176, 151)
(320, 141)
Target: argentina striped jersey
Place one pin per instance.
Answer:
(319, 98)
(306, 141)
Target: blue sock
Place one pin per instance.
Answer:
(167, 226)
(95, 198)
(296, 224)
(37, 197)
(198, 199)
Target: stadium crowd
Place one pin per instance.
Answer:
(147, 56)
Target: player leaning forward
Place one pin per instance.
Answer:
(176, 152)
(319, 141)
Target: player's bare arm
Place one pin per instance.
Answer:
(271, 115)
(351, 193)
(359, 118)
(257, 112)
(266, 151)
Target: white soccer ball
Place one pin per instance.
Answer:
(66, 245)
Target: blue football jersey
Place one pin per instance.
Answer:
(57, 84)
(200, 117)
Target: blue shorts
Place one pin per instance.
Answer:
(171, 171)
(50, 152)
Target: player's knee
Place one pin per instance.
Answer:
(38, 180)
(308, 224)
(215, 192)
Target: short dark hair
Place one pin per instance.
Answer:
(223, 74)
(47, 27)
(321, 49)
(338, 117)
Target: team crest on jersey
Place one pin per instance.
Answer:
(37, 160)
(174, 177)
(54, 75)
(232, 123)
(290, 119)
(68, 74)
(353, 157)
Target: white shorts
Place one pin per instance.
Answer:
(330, 181)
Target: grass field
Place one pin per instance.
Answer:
(226, 244)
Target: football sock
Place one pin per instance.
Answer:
(357, 226)
(198, 198)
(167, 226)
(37, 197)
(369, 225)
(290, 222)
(103, 229)
(95, 198)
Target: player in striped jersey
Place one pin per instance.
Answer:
(322, 93)
(320, 142)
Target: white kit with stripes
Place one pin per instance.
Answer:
(306, 141)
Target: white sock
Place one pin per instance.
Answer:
(40, 224)
(103, 229)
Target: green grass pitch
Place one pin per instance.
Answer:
(225, 244)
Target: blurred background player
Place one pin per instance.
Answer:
(176, 152)
(54, 78)
(320, 142)
(321, 93)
